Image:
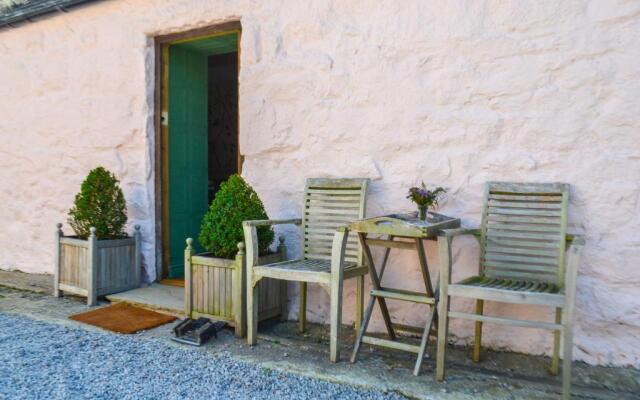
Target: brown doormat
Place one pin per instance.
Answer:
(123, 318)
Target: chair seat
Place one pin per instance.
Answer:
(509, 291)
(309, 270)
(511, 284)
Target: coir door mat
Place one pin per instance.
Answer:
(123, 318)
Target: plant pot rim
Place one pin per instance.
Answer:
(209, 254)
(99, 240)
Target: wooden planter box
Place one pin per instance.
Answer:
(96, 267)
(215, 288)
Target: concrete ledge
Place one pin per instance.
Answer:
(38, 283)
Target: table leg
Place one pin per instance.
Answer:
(385, 258)
(363, 328)
(425, 340)
(424, 267)
(375, 283)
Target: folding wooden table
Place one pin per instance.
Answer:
(404, 231)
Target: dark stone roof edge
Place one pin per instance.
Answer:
(25, 12)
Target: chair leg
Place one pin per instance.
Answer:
(443, 325)
(284, 311)
(477, 344)
(336, 317)
(252, 312)
(302, 313)
(359, 301)
(567, 355)
(555, 360)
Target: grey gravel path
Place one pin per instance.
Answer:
(40, 360)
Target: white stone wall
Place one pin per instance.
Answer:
(451, 92)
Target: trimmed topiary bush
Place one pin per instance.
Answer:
(101, 204)
(221, 228)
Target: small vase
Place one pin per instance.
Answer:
(422, 212)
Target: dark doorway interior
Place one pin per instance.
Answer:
(223, 119)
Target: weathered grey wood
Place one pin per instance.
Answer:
(284, 311)
(391, 244)
(555, 358)
(73, 289)
(302, 306)
(218, 290)
(206, 259)
(92, 283)
(293, 221)
(359, 301)
(337, 260)
(444, 252)
(477, 342)
(424, 341)
(137, 265)
(74, 241)
(375, 284)
(405, 295)
(329, 204)
(188, 290)
(543, 299)
(56, 267)
(523, 243)
(363, 328)
(568, 312)
(402, 226)
(251, 239)
(505, 321)
(95, 267)
(239, 293)
(390, 344)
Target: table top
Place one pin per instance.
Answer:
(406, 224)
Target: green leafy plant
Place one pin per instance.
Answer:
(100, 204)
(221, 228)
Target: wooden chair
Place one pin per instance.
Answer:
(329, 255)
(523, 260)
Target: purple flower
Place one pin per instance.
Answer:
(425, 197)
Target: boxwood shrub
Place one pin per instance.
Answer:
(101, 204)
(221, 228)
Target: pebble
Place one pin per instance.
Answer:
(44, 360)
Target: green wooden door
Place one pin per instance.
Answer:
(188, 169)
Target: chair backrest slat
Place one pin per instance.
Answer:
(523, 231)
(328, 204)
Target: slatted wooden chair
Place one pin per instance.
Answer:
(523, 259)
(329, 255)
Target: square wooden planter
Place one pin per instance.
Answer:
(215, 288)
(96, 267)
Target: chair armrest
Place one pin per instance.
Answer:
(451, 233)
(574, 251)
(574, 239)
(270, 222)
(251, 235)
(445, 237)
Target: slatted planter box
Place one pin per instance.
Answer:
(94, 267)
(215, 288)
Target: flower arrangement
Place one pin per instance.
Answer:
(425, 198)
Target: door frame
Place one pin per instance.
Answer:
(161, 101)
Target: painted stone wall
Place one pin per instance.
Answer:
(451, 92)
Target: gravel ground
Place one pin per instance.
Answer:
(47, 361)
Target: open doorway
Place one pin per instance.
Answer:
(199, 136)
